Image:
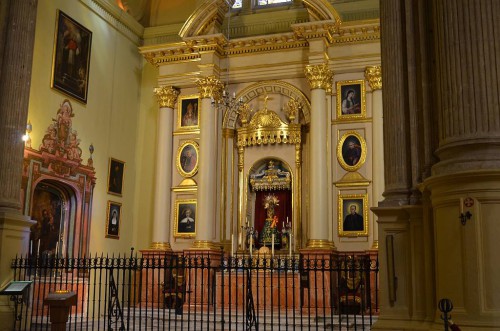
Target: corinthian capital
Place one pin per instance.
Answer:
(210, 87)
(167, 95)
(319, 76)
(373, 75)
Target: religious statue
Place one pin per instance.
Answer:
(271, 223)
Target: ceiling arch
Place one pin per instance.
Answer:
(209, 16)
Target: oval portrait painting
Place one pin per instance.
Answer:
(187, 159)
(351, 151)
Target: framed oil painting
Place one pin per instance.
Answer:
(115, 176)
(113, 220)
(187, 158)
(185, 218)
(353, 215)
(71, 57)
(351, 103)
(188, 113)
(351, 151)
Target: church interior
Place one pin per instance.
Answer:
(240, 127)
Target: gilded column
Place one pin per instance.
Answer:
(373, 75)
(167, 97)
(320, 78)
(210, 88)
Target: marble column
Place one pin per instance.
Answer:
(373, 75)
(167, 97)
(320, 78)
(210, 88)
(17, 37)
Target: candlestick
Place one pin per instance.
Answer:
(251, 243)
(290, 246)
(272, 245)
(232, 245)
(38, 249)
(57, 249)
(461, 205)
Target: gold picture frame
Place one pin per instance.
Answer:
(187, 158)
(185, 218)
(188, 113)
(116, 172)
(351, 99)
(353, 215)
(351, 151)
(71, 57)
(113, 220)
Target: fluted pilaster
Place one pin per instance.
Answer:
(19, 32)
(167, 97)
(395, 99)
(467, 50)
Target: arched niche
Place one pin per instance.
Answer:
(56, 180)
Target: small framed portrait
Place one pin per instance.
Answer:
(187, 158)
(351, 151)
(185, 218)
(351, 102)
(188, 113)
(353, 215)
(113, 220)
(71, 58)
(115, 176)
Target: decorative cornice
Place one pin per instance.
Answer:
(319, 76)
(167, 95)
(191, 48)
(210, 87)
(355, 34)
(315, 30)
(373, 75)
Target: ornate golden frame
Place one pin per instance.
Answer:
(350, 199)
(192, 203)
(340, 96)
(108, 219)
(340, 156)
(179, 156)
(183, 101)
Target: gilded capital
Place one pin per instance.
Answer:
(319, 76)
(167, 95)
(373, 75)
(210, 87)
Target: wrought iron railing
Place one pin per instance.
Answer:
(191, 292)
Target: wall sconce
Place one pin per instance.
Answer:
(26, 137)
(467, 215)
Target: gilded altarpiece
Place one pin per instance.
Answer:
(269, 145)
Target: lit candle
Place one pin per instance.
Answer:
(272, 245)
(287, 220)
(461, 205)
